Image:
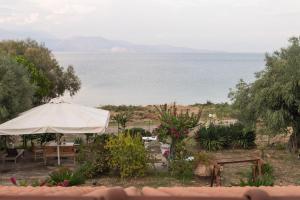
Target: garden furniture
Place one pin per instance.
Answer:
(66, 150)
(217, 168)
(12, 155)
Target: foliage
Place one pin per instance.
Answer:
(180, 166)
(40, 138)
(25, 183)
(245, 111)
(222, 110)
(89, 137)
(217, 137)
(122, 108)
(266, 179)
(204, 158)
(16, 92)
(128, 155)
(46, 137)
(138, 131)
(182, 169)
(122, 118)
(78, 140)
(37, 78)
(60, 177)
(275, 95)
(94, 157)
(42, 67)
(175, 125)
(66, 177)
(260, 181)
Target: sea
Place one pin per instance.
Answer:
(157, 78)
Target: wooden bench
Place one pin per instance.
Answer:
(216, 172)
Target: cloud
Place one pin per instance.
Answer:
(205, 24)
(33, 11)
(19, 20)
(67, 10)
(74, 9)
(32, 18)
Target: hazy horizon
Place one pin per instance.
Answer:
(227, 25)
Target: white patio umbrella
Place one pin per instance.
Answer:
(57, 116)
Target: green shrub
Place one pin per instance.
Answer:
(217, 137)
(138, 131)
(122, 108)
(25, 183)
(260, 181)
(46, 137)
(182, 169)
(267, 169)
(66, 177)
(78, 140)
(128, 155)
(94, 158)
(181, 166)
(266, 179)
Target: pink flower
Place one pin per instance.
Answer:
(65, 183)
(166, 154)
(13, 180)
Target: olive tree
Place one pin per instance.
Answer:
(51, 79)
(274, 97)
(16, 91)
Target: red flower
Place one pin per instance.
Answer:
(13, 180)
(65, 183)
(166, 154)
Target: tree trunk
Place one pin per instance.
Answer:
(173, 149)
(294, 140)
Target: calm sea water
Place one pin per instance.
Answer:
(158, 78)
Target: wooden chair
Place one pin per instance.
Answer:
(65, 151)
(13, 155)
(38, 152)
(68, 151)
(49, 152)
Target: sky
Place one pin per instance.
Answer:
(225, 25)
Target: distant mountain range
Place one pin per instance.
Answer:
(94, 44)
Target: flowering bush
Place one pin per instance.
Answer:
(62, 177)
(175, 125)
(166, 154)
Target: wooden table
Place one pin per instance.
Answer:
(63, 144)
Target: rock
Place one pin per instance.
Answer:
(203, 170)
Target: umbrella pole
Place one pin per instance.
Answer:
(58, 150)
(58, 155)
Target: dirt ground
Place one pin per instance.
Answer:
(286, 171)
